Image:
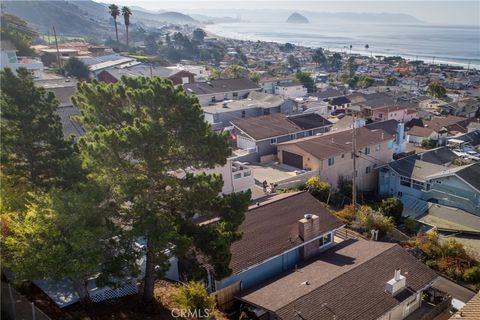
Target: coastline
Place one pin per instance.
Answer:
(430, 60)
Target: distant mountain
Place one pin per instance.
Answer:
(297, 18)
(209, 19)
(85, 17)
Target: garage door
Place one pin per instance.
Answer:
(292, 159)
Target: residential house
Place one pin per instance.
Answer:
(473, 126)
(114, 74)
(311, 104)
(262, 134)
(332, 155)
(467, 107)
(398, 113)
(200, 72)
(438, 128)
(471, 311)
(327, 94)
(277, 234)
(268, 84)
(97, 64)
(290, 90)
(214, 91)
(338, 103)
(220, 114)
(395, 128)
(237, 176)
(346, 122)
(431, 105)
(431, 177)
(356, 279)
(9, 59)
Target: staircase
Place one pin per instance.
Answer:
(413, 207)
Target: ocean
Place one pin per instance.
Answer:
(457, 45)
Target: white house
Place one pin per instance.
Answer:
(9, 59)
(290, 90)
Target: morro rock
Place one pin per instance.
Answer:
(297, 18)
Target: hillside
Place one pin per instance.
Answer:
(84, 18)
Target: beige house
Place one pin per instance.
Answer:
(331, 154)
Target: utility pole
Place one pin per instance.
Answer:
(59, 61)
(354, 178)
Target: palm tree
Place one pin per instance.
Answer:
(351, 49)
(114, 12)
(367, 46)
(126, 17)
(235, 71)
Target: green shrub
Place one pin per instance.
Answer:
(319, 189)
(392, 207)
(193, 297)
(472, 274)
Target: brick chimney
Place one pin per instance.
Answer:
(308, 229)
(396, 284)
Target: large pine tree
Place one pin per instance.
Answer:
(144, 135)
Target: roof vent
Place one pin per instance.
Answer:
(306, 283)
(307, 216)
(224, 105)
(258, 204)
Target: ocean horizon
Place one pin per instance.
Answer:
(455, 45)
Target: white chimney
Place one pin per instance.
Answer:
(396, 284)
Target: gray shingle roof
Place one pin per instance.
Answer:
(219, 86)
(350, 279)
(471, 174)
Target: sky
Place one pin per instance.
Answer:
(429, 11)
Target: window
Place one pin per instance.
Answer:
(367, 150)
(427, 187)
(407, 182)
(273, 141)
(309, 133)
(331, 161)
(235, 94)
(266, 111)
(213, 99)
(326, 239)
(368, 169)
(417, 185)
(243, 113)
(377, 147)
(293, 136)
(237, 176)
(343, 155)
(390, 144)
(247, 173)
(400, 194)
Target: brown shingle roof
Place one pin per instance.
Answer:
(336, 143)
(471, 311)
(272, 228)
(350, 279)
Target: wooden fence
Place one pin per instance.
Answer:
(225, 296)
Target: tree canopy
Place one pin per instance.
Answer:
(306, 80)
(144, 132)
(17, 31)
(77, 68)
(436, 89)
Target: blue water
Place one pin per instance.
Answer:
(448, 44)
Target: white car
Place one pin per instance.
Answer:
(473, 155)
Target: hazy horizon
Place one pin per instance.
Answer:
(432, 12)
